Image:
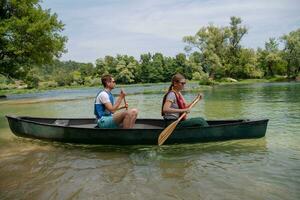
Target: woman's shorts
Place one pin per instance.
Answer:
(107, 122)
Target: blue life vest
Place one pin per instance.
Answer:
(99, 109)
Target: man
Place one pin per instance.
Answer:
(106, 107)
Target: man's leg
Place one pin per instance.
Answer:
(127, 117)
(133, 115)
(121, 117)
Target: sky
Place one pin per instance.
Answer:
(96, 28)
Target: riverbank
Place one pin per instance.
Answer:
(6, 92)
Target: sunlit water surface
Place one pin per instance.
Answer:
(266, 168)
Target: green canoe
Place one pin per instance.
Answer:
(146, 131)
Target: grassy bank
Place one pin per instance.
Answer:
(7, 92)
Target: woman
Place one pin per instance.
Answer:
(174, 104)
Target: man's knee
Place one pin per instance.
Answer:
(134, 111)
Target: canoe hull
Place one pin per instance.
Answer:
(46, 129)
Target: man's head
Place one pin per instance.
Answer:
(108, 81)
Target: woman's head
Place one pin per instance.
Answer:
(178, 81)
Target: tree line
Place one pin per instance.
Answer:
(31, 43)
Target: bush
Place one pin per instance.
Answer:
(205, 80)
(77, 78)
(94, 82)
(48, 84)
(278, 78)
(3, 79)
(228, 80)
(298, 77)
(7, 86)
(196, 76)
(32, 79)
(63, 78)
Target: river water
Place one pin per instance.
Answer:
(266, 168)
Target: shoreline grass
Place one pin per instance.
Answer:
(7, 92)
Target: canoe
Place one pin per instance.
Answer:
(145, 132)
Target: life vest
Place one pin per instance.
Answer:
(99, 108)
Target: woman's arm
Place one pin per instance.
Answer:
(167, 108)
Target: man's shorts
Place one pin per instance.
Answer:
(107, 122)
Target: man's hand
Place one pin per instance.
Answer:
(122, 94)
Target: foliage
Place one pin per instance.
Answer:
(32, 79)
(125, 74)
(30, 40)
(48, 84)
(29, 36)
(270, 59)
(206, 80)
(291, 52)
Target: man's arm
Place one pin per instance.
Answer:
(114, 108)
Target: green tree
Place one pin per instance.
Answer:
(237, 32)
(156, 68)
(235, 50)
(77, 78)
(86, 69)
(291, 52)
(29, 36)
(211, 41)
(183, 66)
(195, 61)
(32, 79)
(246, 66)
(101, 67)
(63, 78)
(169, 68)
(111, 64)
(145, 63)
(124, 75)
(270, 59)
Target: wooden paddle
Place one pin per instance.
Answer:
(125, 103)
(120, 108)
(163, 136)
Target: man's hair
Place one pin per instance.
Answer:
(105, 79)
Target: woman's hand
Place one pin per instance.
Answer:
(199, 97)
(187, 110)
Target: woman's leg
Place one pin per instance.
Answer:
(192, 122)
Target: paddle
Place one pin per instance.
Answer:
(120, 108)
(125, 103)
(163, 136)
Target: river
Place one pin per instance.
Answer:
(265, 168)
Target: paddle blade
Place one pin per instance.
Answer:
(163, 136)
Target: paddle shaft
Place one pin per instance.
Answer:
(185, 113)
(125, 103)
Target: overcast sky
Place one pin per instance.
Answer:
(96, 28)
